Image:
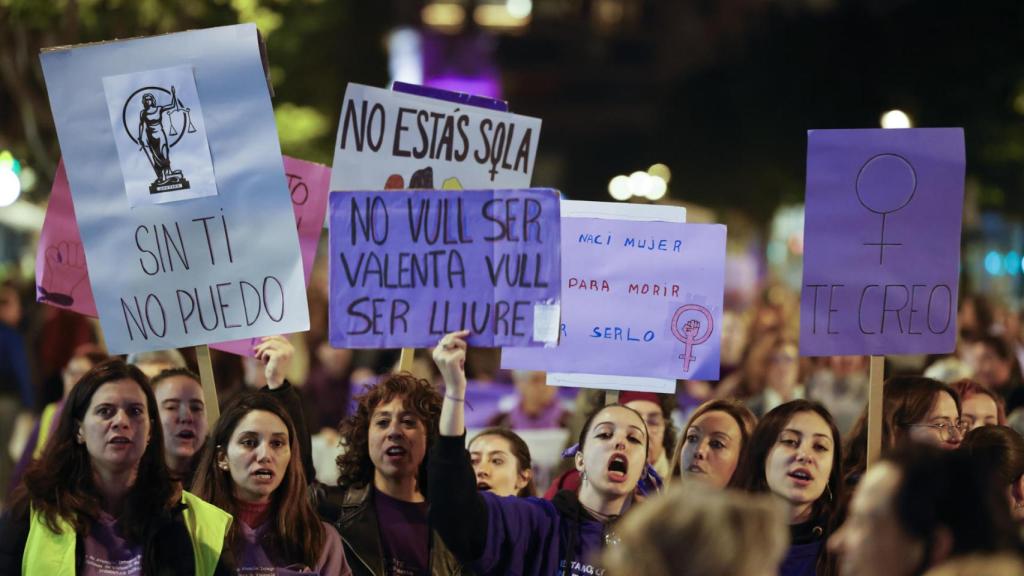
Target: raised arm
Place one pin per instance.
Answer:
(491, 532)
(450, 357)
(276, 353)
(457, 510)
(173, 105)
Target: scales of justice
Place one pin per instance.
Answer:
(155, 141)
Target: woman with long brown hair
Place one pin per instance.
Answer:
(914, 409)
(497, 535)
(714, 442)
(100, 494)
(251, 468)
(794, 454)
(501, 462)
(380, 503)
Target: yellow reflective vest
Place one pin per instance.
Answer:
(45, 423)
(54, 554)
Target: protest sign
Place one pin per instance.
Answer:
(198, 270)
(640, 299)
(407, 267)
(62, 277)
(882, 241)
(613, 211)
(395, 140)
(307, 185)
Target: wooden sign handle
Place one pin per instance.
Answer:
(209, 385)
(876, 377)
(611, 397)
(405, 360)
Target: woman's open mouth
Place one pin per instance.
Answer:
(618, 467)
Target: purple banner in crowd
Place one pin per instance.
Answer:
(882, 241)
(642, 299)
(407, 267)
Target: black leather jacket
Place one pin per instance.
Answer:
(352, 513)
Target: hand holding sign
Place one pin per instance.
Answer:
(276, 353)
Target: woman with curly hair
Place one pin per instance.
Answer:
(379, 505)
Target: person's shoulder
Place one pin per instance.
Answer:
(517, 505)
(341, 504)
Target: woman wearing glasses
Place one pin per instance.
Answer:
(915, 409)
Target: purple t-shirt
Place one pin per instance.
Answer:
(588, 547)
(107, 553)
(255, 560)
(404, 535)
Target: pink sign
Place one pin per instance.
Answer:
(62, 278)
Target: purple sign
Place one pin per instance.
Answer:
(640, 299)
(882, 241)
(407, 267)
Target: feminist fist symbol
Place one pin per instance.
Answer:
(690, 330)
(65, 270)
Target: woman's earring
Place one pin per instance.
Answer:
(828, 489)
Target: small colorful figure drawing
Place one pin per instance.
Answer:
(421, 179)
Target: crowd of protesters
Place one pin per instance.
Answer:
(332, 462)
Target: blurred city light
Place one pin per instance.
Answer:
(619, 188)
(405, 55)
(10, 183)
(28, 179)
(519, 8)
(1018, 103)
(500, 16)
(1013, 263)
(658, 188)
(661, 171)
(443, 16)
(639, 183)
(994, 263)
(896, 119)
(652, 184)
(7, 162)
(10, 186)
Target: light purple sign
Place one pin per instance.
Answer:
(640, 299)
(407, 267)
(882, 241)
